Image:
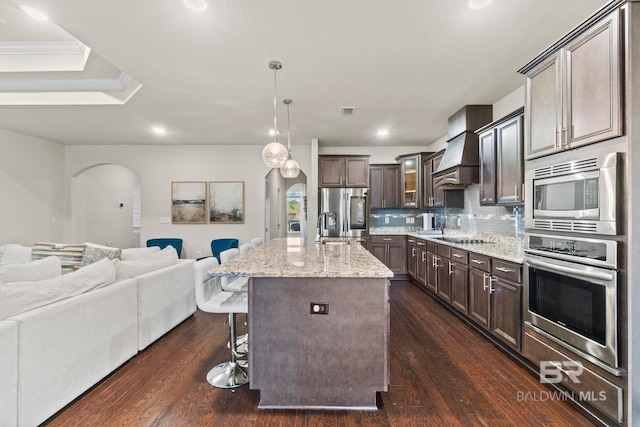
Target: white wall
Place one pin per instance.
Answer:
(96, 215)
(31, 189)
(158, 166)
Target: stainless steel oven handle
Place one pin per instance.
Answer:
(588, 274)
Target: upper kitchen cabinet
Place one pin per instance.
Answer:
(385, 184)
(410, 180)
(501, 160)
(573, 90)
(343, 171)
(436, 197)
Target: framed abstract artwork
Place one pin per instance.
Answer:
(189, 202)
(226, 202)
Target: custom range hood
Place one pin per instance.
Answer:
(460, 162)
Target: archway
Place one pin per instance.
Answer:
(277, 190)
(105, 206)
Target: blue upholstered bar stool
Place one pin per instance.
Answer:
(212, 299)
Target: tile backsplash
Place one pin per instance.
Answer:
(474, 218)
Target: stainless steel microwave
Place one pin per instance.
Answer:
(574, 196)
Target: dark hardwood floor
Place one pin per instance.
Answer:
(443, 373)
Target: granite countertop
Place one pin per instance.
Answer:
(496, 246)
(292, 257)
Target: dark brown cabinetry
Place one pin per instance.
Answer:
(392, 251)
(437, 197)
(501, 161)
(410, 181)
(485, 289)
(573, 97)
(459, 280)
(343, 171)
(412, 256)
(479, 267)
(385, 184)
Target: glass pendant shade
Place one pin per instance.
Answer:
(274, 154)
(290, 169)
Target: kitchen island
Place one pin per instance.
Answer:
(318, 323)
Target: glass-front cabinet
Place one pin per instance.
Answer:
(411, 180)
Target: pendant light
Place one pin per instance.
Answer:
(290, 169)
(274, 154)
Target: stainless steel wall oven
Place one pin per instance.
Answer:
(574, 196)
(571, 295)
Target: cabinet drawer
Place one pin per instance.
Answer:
(506, 270)
(421, 244)
(480, 262)
(602, 394)
(459, 256)
(444, 251)
(388, 239)
(432, 247)
(411, 241)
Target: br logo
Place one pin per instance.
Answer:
(552, 372)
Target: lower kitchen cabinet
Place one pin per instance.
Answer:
(412, 256)
(506, 311)
(459, 280)
(487, 290)
(478, 309)
(392, 251)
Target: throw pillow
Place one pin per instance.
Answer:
(15, 254)
(94, 252)
(164, 258)
(70, 254)
(130, 254)
(36, 270)
(18, 297)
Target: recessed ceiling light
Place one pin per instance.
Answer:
(197, 5)
(477, 4)
(34, 13)
(157, 130)
(383, 132)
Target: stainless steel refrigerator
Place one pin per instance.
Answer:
(344, 212)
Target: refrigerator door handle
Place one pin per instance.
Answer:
(347, 211)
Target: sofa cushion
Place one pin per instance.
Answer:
(130, 254)
(132, 268)
(37, 270)
(94, 252)
(15, 254)
(21, 296)
(70, 254)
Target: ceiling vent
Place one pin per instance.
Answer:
(347, 111)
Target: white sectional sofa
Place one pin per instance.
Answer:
(52, 354)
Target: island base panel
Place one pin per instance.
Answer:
(300, 359)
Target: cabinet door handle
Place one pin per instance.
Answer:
(516, 192)
(450, 268)
(475, 261)
(555, 138)
(424, 256)
(504, 270)
(488, 286)
(456, 255)
(485, 276)
(491, 288)
(563, 138)
(387, 240)
(413, 252)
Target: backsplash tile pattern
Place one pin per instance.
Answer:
(474, 218)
